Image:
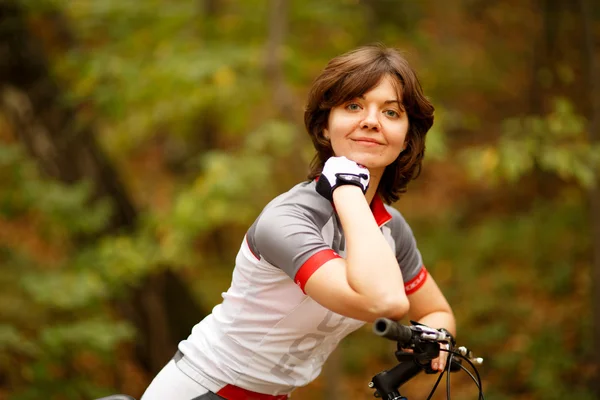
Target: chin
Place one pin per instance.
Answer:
(372, 163)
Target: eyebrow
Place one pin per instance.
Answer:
(385, 102)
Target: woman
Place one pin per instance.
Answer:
(328, 255)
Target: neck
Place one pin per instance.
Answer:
(375, 177)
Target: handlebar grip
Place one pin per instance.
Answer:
(392, 330)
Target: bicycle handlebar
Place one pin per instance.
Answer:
(424, 344)
(404, 334)
(392, 330)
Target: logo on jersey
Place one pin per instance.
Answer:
(304, 348)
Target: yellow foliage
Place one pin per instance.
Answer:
(224, 77)
(489, 159)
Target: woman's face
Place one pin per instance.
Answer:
(370, 129)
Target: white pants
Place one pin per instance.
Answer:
(171, 383)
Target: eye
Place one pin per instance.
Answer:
(391, 113)
(352, 107)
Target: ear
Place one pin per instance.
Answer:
(404, 145)
(326, 133)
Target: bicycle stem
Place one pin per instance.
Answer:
(387, 382)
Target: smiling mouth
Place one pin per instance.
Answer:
(370, 143)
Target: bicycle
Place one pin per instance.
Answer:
(423, 344)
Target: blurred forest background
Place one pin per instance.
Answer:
(140, 139)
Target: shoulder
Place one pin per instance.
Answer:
(290, 217)
(408, 255)
(400, 231)
(398, 222)
(290, 228)
(301, 201)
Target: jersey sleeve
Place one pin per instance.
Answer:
(289, 236)
(409, 258)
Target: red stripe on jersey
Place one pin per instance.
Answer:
(313, 264)
(415, 283)
(237, 393)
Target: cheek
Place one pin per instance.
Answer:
(400, 135)
(337, 145)
(341, 124)
(400, 142)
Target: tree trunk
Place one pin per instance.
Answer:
(68, 152)
(544, 55)
(594, 194)
(369, 34)
(280, 93)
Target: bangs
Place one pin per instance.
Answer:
(358, 82)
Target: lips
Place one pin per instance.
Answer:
(366, 141)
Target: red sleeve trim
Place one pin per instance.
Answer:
(313, 264)
(415, 283)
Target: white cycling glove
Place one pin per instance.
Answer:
(339, 171)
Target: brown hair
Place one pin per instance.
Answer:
(353, 74)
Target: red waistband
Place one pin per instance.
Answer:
(231, 392)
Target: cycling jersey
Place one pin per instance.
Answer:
(267, 335)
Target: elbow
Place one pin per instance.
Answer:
(392, 307)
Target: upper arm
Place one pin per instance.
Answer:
(426, 300)
(407, 252)
(291, 240)
(424, 296)
(299, 242)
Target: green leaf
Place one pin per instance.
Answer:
(98, 334)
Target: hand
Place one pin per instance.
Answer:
(339, 171)
(439, 363)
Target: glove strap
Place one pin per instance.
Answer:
(350, 179)
(325, 189)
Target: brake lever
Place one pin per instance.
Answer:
(463, 351)
(435, 335)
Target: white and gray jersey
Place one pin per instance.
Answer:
(267, 335)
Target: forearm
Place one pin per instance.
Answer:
(440, 319)
(371, 265)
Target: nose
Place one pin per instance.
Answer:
(370, 121)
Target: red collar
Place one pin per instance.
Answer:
(382, 216)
